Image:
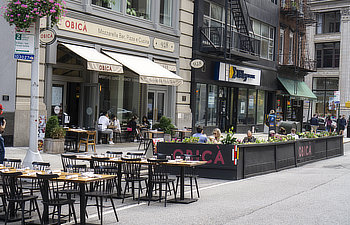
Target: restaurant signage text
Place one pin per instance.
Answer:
(96, 30)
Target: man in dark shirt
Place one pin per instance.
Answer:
(314, 123)
(342, 125)
(2, 142)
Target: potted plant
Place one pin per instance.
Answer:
(54, 136)
(166, 126)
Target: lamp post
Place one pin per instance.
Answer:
(33, 154)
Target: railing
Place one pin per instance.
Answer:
(212, 39)
(303, 62)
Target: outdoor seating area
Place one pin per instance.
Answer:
(108, 180)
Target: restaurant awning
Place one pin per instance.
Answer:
(297, 88)
(149, 72)
(95, 60)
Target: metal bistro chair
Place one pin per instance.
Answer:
(14, 163)
(12, 187)
(144, 139)
(132, 172)
(103, 190)
(50, 196)
(112, 154)
(160, 176)
(191, 174)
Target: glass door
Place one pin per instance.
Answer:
(89, 105)
(156, 105)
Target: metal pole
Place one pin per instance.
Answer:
(33, 153)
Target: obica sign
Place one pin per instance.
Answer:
(47, 36)
(197, 63)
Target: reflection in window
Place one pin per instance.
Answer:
(266, 35)
(117, 96)
(328, 54)
(139, 8)
(324, 89)
(260, 107)
(242, 106)
(251, 106)
(114, 5)
(166, 12)
(212, 104)
(328, 22)
(201, 104)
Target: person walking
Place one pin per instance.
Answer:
(329, 124)
(271, 121)
(314, 123)
(2, 142)
(342, 125)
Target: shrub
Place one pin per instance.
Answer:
(53, 130)
(165, 125)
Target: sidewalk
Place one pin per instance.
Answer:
(55, 159)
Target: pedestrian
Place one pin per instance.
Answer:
(314, 123)
(271, 121)
(2, 142)
(342, 125)
(329, 124)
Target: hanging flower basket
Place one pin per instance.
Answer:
(22, 13)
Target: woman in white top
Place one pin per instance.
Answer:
(116, 124)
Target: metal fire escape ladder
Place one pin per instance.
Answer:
(241, 17)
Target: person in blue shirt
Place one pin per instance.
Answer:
(271, 121)
(202, 137)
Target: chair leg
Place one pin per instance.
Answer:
(73, 210)
(150, 191)
(195, 181)
(177, 184)
(115, 212)
(166, 193)
(59, 214)
(126, 185)
(22, 206)
(37, 210)
(191, 188)
(79, 146)
(174, 189)
(138, 198)
(101, 199)
(98, 209)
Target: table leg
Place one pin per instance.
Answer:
(77, 142)
(119, 174)
(82, 203)
(182, 199)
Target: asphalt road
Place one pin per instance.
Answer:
(317, 193)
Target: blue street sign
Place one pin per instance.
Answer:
(24, 56)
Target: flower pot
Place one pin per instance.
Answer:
(55, 146)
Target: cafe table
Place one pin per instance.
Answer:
(77, 133)
(183, 133)
(67, 177)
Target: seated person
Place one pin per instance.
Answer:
(133, 125)
(216, 138)
(272, 134)
(103, 123)
(202, 137)
(249, 138)
(115, 124)
(145, 123)
(293, 133)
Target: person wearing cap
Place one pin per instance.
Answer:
(2, 142)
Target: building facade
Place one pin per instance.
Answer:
(237, 84)
(121, 57)
(329, 44)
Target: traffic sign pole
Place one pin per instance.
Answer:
(33, 153)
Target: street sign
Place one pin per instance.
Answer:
(24, 57)
(337, 97)
(47, 36)
(24, 44)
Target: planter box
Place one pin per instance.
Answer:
(55, 146)
(256, 159)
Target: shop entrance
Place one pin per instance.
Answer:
(89, 106)
(156, 105)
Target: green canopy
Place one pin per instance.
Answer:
(297, 88)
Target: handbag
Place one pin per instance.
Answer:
(128, 129)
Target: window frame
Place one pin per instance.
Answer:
(335, 55)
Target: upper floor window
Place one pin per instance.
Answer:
(281, 46)
(328, 22)
(166, 12)
(115, 5)
(139, 8)
(213, 15)
(327, 55)
(266, 35)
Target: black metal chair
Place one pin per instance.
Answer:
(191, 174)
(112, 154)
(132, 172)
(12, 187)
(14, 163)
(103, 190)
(50, 196)
(144, 139)
(160, 176)
(134, 155)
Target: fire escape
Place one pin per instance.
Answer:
(300, 61)
(235, 39)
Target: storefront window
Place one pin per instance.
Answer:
(201, 103)
(242, 106)
(324, 89)
(114, 5)
(212, 104)
(119, 95)
(166, 12)
(139, 8)
(260, 107)
(251, 106)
